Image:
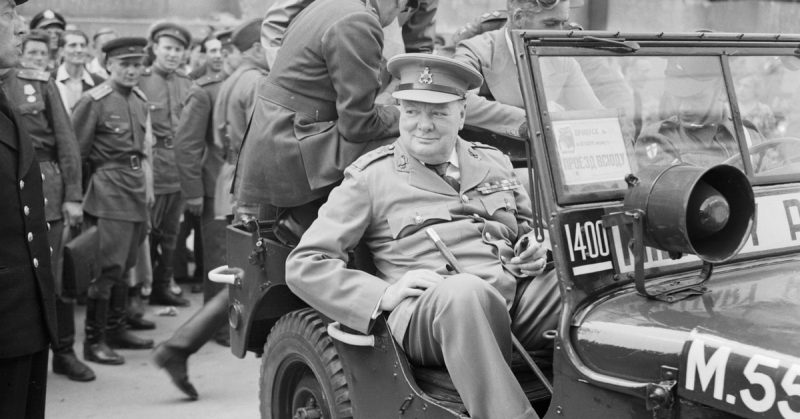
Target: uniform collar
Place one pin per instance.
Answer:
(161, 71)
(473, 169)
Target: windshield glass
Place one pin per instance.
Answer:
(613, 116)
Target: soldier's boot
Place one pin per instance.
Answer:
(135, 310)
(173, 354)
(95, 348)
(65, 362)
(118, 335)
(162, 294)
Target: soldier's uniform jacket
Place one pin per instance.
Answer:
(232, 110)
(110, 124)
(165, 93)
(667, 142)
(41, 111)
(194, 142)
(389, 198)
(316, 112)
(27, 294)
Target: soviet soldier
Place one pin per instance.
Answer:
(35, 97)
(110, 122)
(166, 88)
(54, 24)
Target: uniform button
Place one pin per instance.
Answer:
(22, 184)
(27, 210)
(116, 129)
(464, 198)
(418, 219)
(45, 201)
(30, 237)
(48, 226)
(42, 176)
(51, 250)
(35, 263)
(488, 237)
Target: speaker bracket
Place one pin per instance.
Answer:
(631, 232)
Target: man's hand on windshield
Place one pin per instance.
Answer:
(531, 256)
(412, 284)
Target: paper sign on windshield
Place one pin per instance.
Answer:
(591, 150)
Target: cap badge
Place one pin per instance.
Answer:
(426, 77)
(48, 14)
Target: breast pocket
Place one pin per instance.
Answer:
(499, 201)
(114, 126)
(159, 112)
(35, 108)
(405, 227)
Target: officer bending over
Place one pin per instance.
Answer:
(468, 194)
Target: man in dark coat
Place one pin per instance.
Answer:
(27, 296)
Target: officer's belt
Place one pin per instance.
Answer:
(164, 142)
(132, 161)
(314, 108)
(44, 155)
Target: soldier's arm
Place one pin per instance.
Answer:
(420, 29)
(352, 49)
(316, 270)
(278, 18)
(190, 144)
(84, 121)
(69, 155)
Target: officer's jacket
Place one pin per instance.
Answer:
(667, 142)
(499, 106)
(316, 112)
(389, 198)
(166, 93)
(27, 294)
(36, 99)
(110, 124)
(198, 159)
(232, 110)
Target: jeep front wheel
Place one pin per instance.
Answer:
(301, 374)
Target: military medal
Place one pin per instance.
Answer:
(28, 89)
(31, 99)
(500, 185)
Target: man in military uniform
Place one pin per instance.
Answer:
(195, 142)
(36, 50)
(468, 194)
(166, 88)
(498, 106)
(110, 122)
(232, 110)
(27, 295)
(42, 115)
(316, 111)
(54, 24)
(700, 130)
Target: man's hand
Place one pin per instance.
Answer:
(531, 256)
(72, 212)
(412, 284)
(195, 206)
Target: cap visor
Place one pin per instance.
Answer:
(687, 87)
(426, 96)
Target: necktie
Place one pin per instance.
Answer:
(441, 170)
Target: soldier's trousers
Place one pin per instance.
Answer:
(463, 323)
(165, 219)
(119, 246)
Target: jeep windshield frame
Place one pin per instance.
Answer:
(545, 57)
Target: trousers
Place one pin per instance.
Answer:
(23, 381)
(119, 247)
(165, 217)
(464, 324)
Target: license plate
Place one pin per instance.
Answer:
(741, 379)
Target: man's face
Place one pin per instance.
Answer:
(214, 55)
(529, 14)
(35, 55)
(169, 53)
(232, 58)
(55, 34)
(75, 49)
(10, 34)
(429, 131)
(126, 71)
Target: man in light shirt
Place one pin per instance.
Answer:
(72, 77)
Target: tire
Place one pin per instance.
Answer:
(301, 373)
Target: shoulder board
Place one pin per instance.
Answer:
(147, 71)
(208, 79)
(139, 93)
(33, 74)
(476, 144)
(182, 74)
(100, 91)
(362, 162)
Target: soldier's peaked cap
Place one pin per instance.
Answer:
(172, 30)
(125, 47)
(689, 75)
(47, 18)
(432, 78)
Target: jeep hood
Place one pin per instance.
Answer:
(629, 336)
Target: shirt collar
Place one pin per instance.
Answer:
(62, 75)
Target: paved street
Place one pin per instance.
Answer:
(228, 386)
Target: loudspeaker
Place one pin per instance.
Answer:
(707, 212)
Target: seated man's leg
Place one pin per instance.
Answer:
(537, 307)
(463, 323)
